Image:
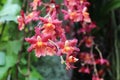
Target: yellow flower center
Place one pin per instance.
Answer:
(39, 43)
(73, 14)
(49, 25)
(67, 48)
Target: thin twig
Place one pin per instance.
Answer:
(100, 53)
(94, 64)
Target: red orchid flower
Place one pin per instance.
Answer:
(94, 77)
(48, 28)
(38, 45)
(89, 41)
(87, 28)
(70, 46)
(84, 70)
(21, 21)
(70, 60)
(102, 61)
(35, 4)
(86, 58)
(32, 16)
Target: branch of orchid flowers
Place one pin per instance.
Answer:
(50, 36)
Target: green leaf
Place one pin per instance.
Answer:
(23, 61)
(9, 12)
(34, 75)
(10, 9)
(2, 58)
(10, 61)
(8, 18)
(111, 5)
(13, 47)
(5, 35)
(3, 45)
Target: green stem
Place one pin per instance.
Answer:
(28, 77)
(117, 56)
(116, 46)
(3, 28)
(19, 56)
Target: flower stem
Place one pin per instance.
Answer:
(94, 64)
(100, 53)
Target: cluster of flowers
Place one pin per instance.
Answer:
(50, 35)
